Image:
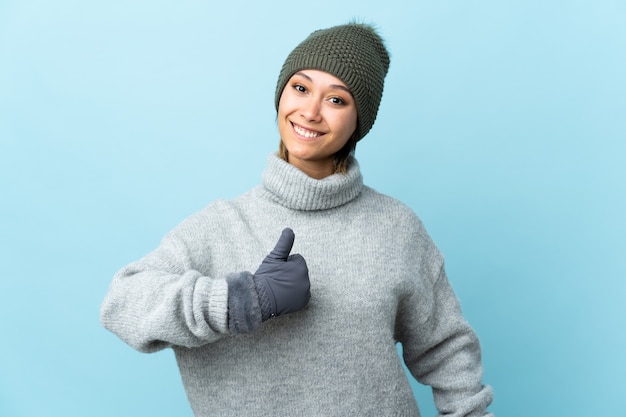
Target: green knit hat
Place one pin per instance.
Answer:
(355, 54)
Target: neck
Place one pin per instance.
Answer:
(314, 169)
(294, 188)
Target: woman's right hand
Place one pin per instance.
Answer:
(282, 280)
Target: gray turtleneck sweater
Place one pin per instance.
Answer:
(376, 279)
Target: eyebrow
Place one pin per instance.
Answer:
(334, 86)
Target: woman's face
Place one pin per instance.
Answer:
(316, 117)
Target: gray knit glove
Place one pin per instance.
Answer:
(280, 286)
(282, 280)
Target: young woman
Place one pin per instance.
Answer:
(312, 333)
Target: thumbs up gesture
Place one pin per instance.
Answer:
(282, 280)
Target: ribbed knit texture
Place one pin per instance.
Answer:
(355, 54)
(287, 186)
(376, 279)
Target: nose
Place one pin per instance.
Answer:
(311, 110)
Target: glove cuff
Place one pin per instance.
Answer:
(244, 312)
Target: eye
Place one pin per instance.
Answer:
(300, 88)
(337, 100)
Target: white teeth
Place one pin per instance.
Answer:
(306, 133)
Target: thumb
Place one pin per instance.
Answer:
(283, 246)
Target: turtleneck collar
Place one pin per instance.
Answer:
(288, 186)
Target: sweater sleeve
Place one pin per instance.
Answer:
(442, 351)
(163, 299)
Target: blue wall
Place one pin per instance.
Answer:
(502, 125)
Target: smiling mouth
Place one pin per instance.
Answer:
(309, 134)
